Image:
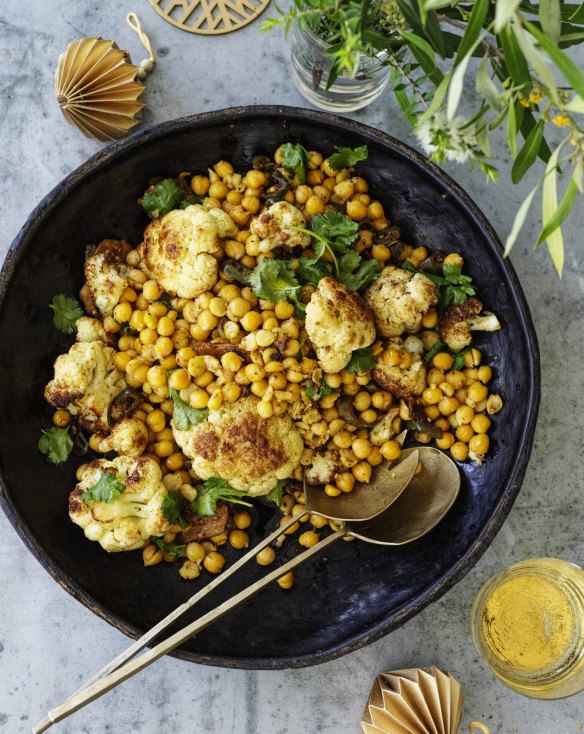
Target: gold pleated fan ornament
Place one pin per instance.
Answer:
(97, 87)
(413, 701)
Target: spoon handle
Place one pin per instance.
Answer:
(106, 683)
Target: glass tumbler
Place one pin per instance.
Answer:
(311, 67)
(528, 624)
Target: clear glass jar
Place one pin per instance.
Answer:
(311, 67)
(528, 624)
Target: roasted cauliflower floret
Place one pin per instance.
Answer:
(400, 372)
(129, 437)
(324, 468)
(338, 321)
(272, 226)
(106, 276)
(129, 520)
(236, 444)
(180, 249)
(91, 330)
(457, 323)
(399, 299)
(86, 381)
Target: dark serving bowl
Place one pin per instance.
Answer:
(354, 593)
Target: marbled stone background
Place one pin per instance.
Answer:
(49, 643)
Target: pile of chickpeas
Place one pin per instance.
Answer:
(155, 350)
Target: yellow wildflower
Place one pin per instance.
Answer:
(535, 97)
(561, 120)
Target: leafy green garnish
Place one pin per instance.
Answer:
(295, 158)
(357, 273)
(433, 351)
(171, 549)
(458, 363)
(362, 360)
(334, 233)
(337, 228)
(66, 311)
(183, 415)
(311, 270)
(56, 444)
(191, 199)
(274, 280)
(172, 508)
(211, 492)
(347, 157)
(277, 494)
(164, 197)
(107, 489)
(316, 392)
(454, 287)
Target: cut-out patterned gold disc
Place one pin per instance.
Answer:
(210, 17)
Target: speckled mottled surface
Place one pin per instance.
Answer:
(49, 643)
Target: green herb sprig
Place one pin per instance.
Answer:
(56, 444)
(66, 311)
(211, 492)
(107, 489)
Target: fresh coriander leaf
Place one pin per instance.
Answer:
(311, 270)
(66, 311)
(56, 444)
(357, 273)
(362, 361)
(172, 508)
(347, 157)
(295, 158)
(458, 286)
(171, 549)
(316, 392)
(339, 230)
(107, 489)
(277, 494)
(165, 196)
(183, 415)
(433, 351)
(211, 492)
(458, 363)
(275, 281)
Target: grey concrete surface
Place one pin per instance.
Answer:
(49, 643)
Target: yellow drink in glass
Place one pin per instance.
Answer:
(528, 624)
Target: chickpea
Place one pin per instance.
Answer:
(391, 450)
(362, 471)
(151, 555)
(242, 520)
(480, 423)
(314, 205)
(308, 538)
(286, 581)
(214, 562)
(62, 418)
(479, 443)
(238, 539)
(356, 210)
(266, 556)
(459, 451)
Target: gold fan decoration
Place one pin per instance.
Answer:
(413, 701)
(210, 17)
(97, 86)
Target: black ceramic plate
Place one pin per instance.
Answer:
(354, 593)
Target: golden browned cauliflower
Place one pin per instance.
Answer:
(106, 276)
(86, 381)
(400, 372)
(272, 226)
(338, 321)
(180, 249)
(129, 437)
(127, 521)
(236, 444)
(399, 299)
(457, 323)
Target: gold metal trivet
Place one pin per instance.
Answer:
(209, 17)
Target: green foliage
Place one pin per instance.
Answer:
(316, 392)
(107, 489)
(164, 197)
(277, 494)
(295, 158)
(172, 506)
(347, 157)
(170, 549)
(183, 416)
(211, 492)
(512, 52)
(56, 444)
(362, 361)
(355, 272)
(66, 311)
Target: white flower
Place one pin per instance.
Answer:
(442, 138)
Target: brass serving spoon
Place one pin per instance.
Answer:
(428, 497)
